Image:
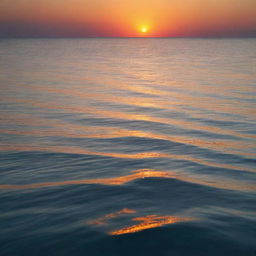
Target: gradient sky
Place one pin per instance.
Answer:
(125, 18)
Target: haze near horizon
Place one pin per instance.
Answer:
(115, 18)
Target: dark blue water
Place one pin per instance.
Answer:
(113, 147)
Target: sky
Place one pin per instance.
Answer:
(127, 18)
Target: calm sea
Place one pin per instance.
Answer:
(115, 147)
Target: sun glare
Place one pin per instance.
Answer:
(144, 29)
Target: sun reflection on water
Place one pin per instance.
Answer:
(102, 220)
(148, 222)
(144, 222)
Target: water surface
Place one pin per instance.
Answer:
(128, 147)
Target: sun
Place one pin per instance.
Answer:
(144, 29)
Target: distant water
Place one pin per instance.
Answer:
(114, 147)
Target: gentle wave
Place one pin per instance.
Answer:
(138, 174)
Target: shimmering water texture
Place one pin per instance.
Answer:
(115, 147)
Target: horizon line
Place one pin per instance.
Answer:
(128, 37)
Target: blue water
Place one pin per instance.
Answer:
(113, 147)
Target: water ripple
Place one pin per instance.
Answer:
(106, 140)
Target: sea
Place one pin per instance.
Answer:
(128, 146)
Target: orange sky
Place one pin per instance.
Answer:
(125, 18)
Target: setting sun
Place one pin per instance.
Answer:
(144, 29)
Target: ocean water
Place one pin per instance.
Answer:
(114, 147)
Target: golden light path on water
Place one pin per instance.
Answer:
(144, 222)
(58, 128)
(137, 174)
(144, 155)
(103, 220)
(148, 222)
(142, 117)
